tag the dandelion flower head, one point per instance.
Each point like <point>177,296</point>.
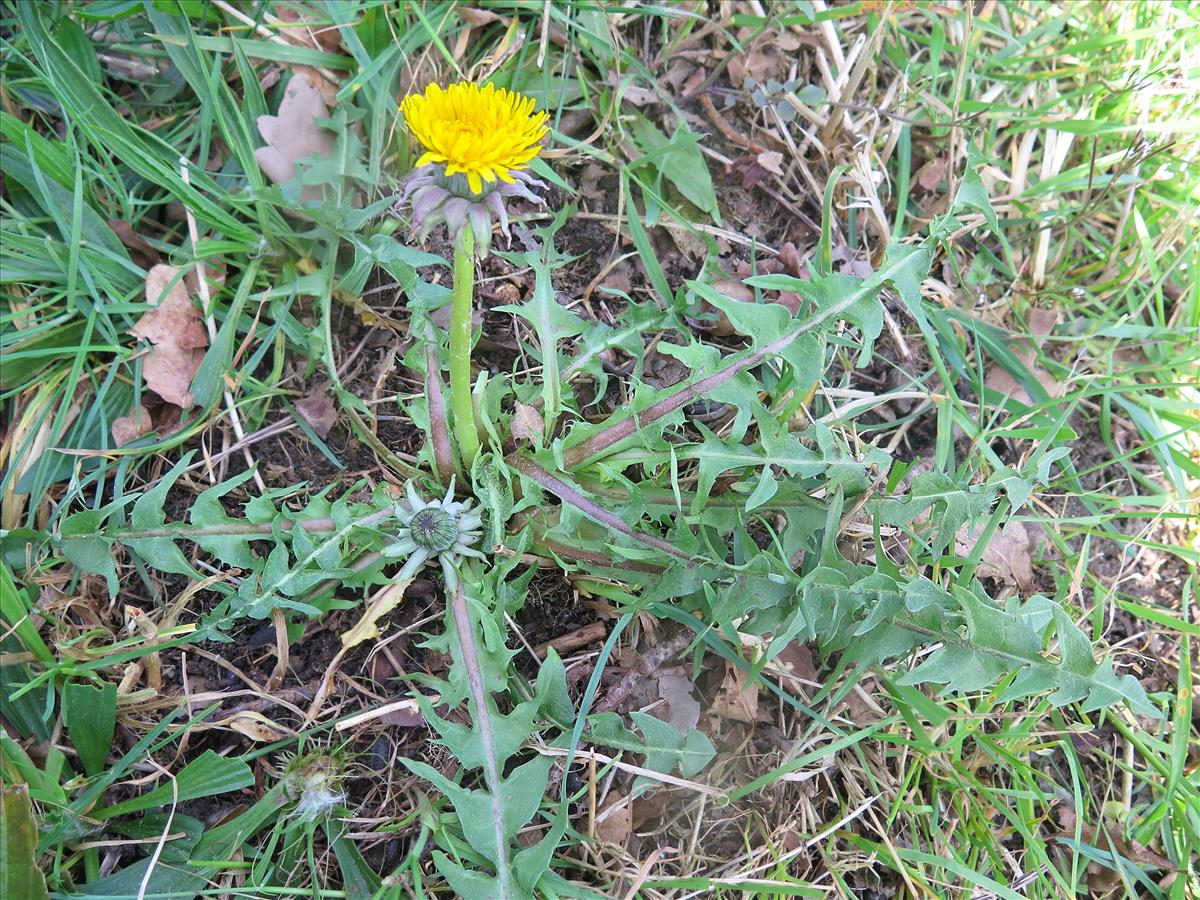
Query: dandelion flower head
<point>483,132</point>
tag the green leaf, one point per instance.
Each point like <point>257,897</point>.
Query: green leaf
<point>87,548</point>
<point>551,321</point>
<point>207,775</point>
<point>664,747</point>
<point>952,504</point>
<point>999,641</point>
<point>509,732</point>
<point>208,512</point>
<point>20,877</point>
<point>551,690</point>
<point>359,880</point>
<point>519,797</point>
<point>679,160</point>
<point>763,323</point>
<point>161,552</point>
<point>90,715</point>
<point>493,487</point>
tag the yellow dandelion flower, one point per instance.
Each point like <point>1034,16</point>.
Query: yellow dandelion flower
<point>483,132</point>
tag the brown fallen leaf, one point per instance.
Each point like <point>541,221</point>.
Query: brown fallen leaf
<point>930,175</point>
<point>736,698</point>
<point>318,409</point>
<point>127,429</point>
<point>257,727</point>
<point>999,380</point>
<point>614,821</point>
<point>682,705</point>
<point>792,261</point>
<point>306,33</point>
<point>589,182</point>
<point>177,334</point>
<point>1008,556</point>
<point>293,134</point>
<point>476,17</point>
<point>527,424</point>
<point>772,161</point>
<point>1041,323</point>
<point>765,58</point>
<point>140,250</point>
<point>631,93</point>
<point>795,663</point>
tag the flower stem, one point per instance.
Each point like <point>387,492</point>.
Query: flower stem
<point>461,407</point>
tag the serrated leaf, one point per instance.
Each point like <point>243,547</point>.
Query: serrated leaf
<point>208,512</point>
<point>951,504</point>
<point>519,796</point>
<point>998,642</point>
<point>551,321</point>
<point>763,323</point>
<point>509,732</point>
<point>87,548</point>
<point>532,862</point>
<point>469,882</point>
<point>493,487</point>
<point>663,746</point>
<point>161,552</point>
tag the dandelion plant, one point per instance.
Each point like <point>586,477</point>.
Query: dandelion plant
<point>478,141</point>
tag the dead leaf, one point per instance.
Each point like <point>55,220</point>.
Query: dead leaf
<point>793,264</point>
<point>405,714</point>
<point>477,18</point>
<point>305,33</point>
<point>614,822</point>
<point>1041,323</point>
<point>737,697</point>
<point>1008,556</point>
<point>762,61</point>
<point>527,424</point>
<point>257,727</point>
<point>293,134</point>
<point>140,250</point>
<point>619,278</point>
<point>930,175</point>
<point>589,181</point>
<point>384,601</point>
<point>795,663</point>
<point>630,92</point>
<point>174,328</point>
<point>318,410</point>
<point>680,694</point>
<point>999,379</point>
<point>772,161</point>
<point>127,429</point>
<point>746,167</point>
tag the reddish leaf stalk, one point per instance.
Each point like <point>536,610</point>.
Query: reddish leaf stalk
<point>483,721</point>
<point>569,494</point>
<point>439,433</point>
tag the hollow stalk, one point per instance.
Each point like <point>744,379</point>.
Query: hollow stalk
<point>462,409</point>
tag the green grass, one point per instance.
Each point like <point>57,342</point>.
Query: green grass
<point>1062,138</point>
